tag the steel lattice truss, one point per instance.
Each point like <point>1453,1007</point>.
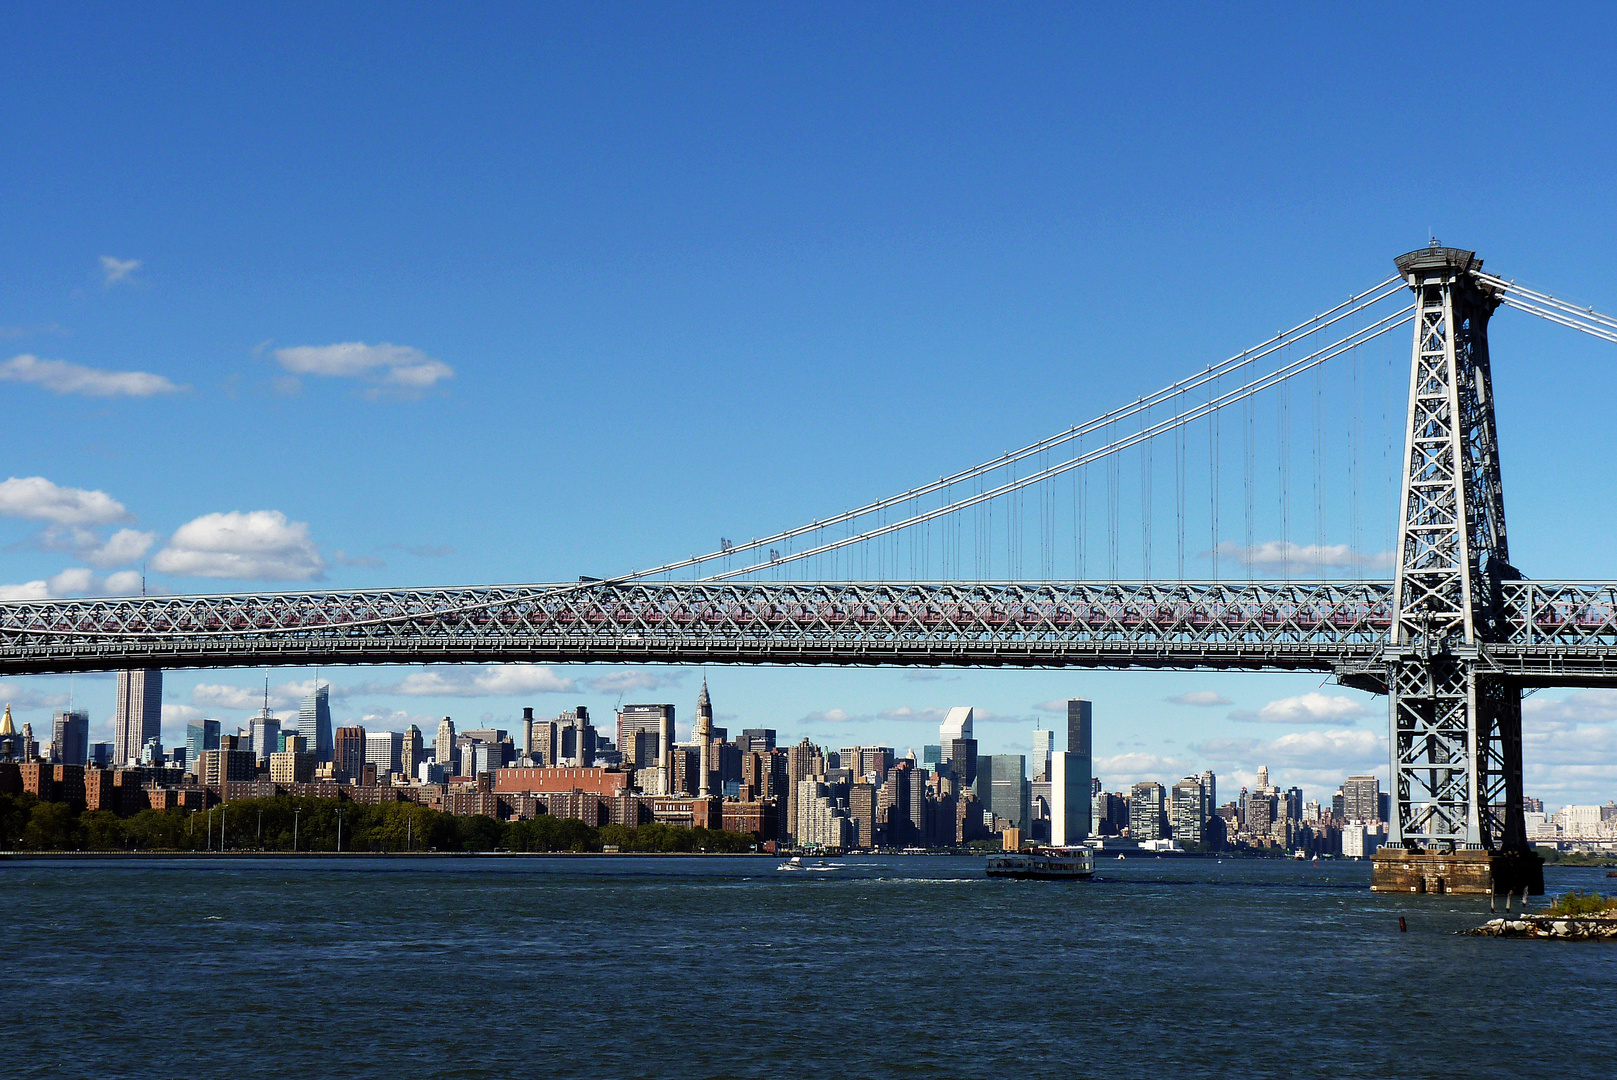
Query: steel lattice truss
<point>1556,633</point>
<point>1253,625</point>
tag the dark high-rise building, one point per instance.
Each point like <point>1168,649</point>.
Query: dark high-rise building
<point>1361,798</point>
<point>410,751</point>
<point>200,735</point>
<point>963,761</point>
<point>70,737</point>
<point>756,740</point>
<point>1260,812</point>
<point>862,813</point>
<point>348,752</point>
<point>137,713</point>
<point>314,724</point>
<point>1009,793</point>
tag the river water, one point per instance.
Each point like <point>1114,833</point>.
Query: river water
<point>630,966</point>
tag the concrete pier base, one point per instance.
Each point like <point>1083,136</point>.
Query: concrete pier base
<point>1468,871</point>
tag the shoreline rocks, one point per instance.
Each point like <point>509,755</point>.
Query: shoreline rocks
<point>1559,927</point>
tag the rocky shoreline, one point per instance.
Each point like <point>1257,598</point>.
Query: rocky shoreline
<point>1561,927</point>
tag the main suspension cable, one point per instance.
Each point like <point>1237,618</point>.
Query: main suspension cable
<point>1353,305</point>
<point>1280,375</point>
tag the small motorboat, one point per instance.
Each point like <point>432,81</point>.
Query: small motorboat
<point>796,863</point>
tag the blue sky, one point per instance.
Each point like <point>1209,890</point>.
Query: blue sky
<point>618,280</point>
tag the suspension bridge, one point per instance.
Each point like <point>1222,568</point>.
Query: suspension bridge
<point>1452,640</point>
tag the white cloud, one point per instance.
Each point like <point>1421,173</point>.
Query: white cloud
<point>221,696</point>
<point>175,713</point>
<point>905,714</point>
<point>1120,770</point>
<point>1274,554</point>
<point>62,377</point>
<point>31,695</point>
<point>122,548</point>
<point>399,720</point>
<point>27,590</point>
<point>74,581</point>
<point>497,680</point>
<point>617,682</point>
<point>37,499</point>
<point>1583,707</point>
<point>390,370</point>
<point>123,583</point>
<point>1310,708</point>
<point>831,716</point>
<point>260,545</point>
<point>1201,699</point>
<point>117,269</point>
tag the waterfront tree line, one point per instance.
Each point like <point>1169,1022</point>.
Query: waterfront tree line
<point>279,823</point>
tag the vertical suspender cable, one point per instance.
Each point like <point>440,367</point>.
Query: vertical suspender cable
<point>1284,434</point>
<point>1319,472</point>
<point>1247,437</point>
<point>1146,500</point>
<point>1179,491</point>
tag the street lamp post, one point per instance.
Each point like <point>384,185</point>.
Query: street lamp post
<point>339,832</point>
<point>295,814</point>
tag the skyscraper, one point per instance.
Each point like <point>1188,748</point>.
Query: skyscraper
<point>752,741</point>
<point>1008,791</point>
<point>1148,818</point>
<point>1044,744</point>
<point>137,713</point>
<point>200,735</point>
<point>382,749</point>
<point>314,723</point>
<point>1190,810</point>
<point>410,751</point>
<point>956,725</point>
<point>1361,798</point>
<point>1210,783</point>
<point>264,731</point>
<point>1071,804</point>
<point>443,751</point>
<point>70,737</point>
<point>348,752</point>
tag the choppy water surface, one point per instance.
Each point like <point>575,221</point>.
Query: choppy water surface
<point>621,966</point>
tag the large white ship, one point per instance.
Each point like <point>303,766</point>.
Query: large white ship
<point>1050,864</point>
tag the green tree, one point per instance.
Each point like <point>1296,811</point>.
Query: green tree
<point>53,827</point>
<point>103,830</point>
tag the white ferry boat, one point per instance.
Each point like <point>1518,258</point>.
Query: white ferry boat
<point>1045,864</point>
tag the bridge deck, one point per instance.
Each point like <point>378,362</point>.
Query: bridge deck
<point>1556,631</point>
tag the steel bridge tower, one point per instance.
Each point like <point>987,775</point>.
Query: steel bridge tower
<point>1456,727</point>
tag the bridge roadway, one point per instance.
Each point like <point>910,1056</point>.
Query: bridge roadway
<point>1554,633</point>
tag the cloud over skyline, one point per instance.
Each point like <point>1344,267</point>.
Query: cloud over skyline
<point>1310,708</point>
